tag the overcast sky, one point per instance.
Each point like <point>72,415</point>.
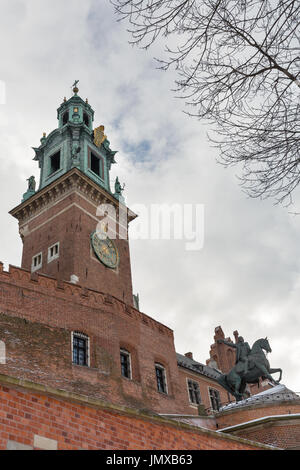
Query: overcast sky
<point>247,275</point>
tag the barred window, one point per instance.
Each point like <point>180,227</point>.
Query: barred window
<point>215,400</point>
<point>194,392</point>
<point>125,363</point>
<point>80,349</point>
<point>161,378</point>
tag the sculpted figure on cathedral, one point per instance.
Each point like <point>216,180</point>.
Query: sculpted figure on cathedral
<point>31,183</point>
<point>118,190</point>
<point>251,365</point>
<point>118,187</point>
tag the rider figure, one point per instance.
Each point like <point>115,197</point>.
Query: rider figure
<point>242,351</point>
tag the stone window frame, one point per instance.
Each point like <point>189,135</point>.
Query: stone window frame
<point>212,399</point>
<point>159,366</point>
<point>36,266</point>
<point>56,255</point>
<point>84,336</point>
<point>125,352</point>
<point>194,403</point>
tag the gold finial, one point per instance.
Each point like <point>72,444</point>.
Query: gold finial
<point>87,101</point>
<point>65,99</point>
<point>44,134</point>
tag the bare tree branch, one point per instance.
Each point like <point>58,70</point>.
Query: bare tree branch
<point>238,66</point>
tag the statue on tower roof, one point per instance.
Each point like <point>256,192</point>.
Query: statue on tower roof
<point>31,190</point>
<point>118,190</point>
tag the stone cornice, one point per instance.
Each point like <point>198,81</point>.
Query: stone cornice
<point>275,419</point>
<point>67,183</point>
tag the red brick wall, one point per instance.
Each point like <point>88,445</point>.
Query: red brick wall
<point>283,433</point>
<point>70,222</point>
<point>242,415</point>
<point>222,354</point>
<point>25,414</point>
<point>204,385</point>
<point>38,316</point>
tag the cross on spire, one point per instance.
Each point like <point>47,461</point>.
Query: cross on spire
<point>75,88</point>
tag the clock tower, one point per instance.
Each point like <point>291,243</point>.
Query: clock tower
<point>73,226</point>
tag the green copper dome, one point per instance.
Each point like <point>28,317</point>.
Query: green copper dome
<point>75,144</point>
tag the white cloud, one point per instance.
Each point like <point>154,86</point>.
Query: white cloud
<point>247,275</point>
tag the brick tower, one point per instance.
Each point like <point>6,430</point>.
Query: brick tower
<point>66,233</point>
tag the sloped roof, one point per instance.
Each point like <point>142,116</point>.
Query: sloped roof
<point>277,393</point>
<point>197,367</point>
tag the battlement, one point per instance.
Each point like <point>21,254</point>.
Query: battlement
<point>75,293</point>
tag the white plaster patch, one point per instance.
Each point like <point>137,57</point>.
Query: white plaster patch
<point>2,353</point>
<point>74,279</point>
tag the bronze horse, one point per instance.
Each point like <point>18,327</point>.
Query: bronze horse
<point>258,366</point>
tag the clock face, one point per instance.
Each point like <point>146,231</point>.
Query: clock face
<point>105,250</point>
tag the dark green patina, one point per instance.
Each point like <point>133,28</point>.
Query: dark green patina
<point>74,143</point>
<point>251,365</point>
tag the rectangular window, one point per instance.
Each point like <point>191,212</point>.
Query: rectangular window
<point>53,252</point>
<point>194,392</point>
<point>37,262</point>
<point>125,363</point>
<point>215,400</point>
<point>96,164</point>
<point>54,163</point>
<point>65,118</point>
<point>80,349</point>
<point>161,378</point>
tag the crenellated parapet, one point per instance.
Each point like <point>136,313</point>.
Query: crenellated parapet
<point>75,294</point>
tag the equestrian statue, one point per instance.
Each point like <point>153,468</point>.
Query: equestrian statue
<point>250,365</point>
